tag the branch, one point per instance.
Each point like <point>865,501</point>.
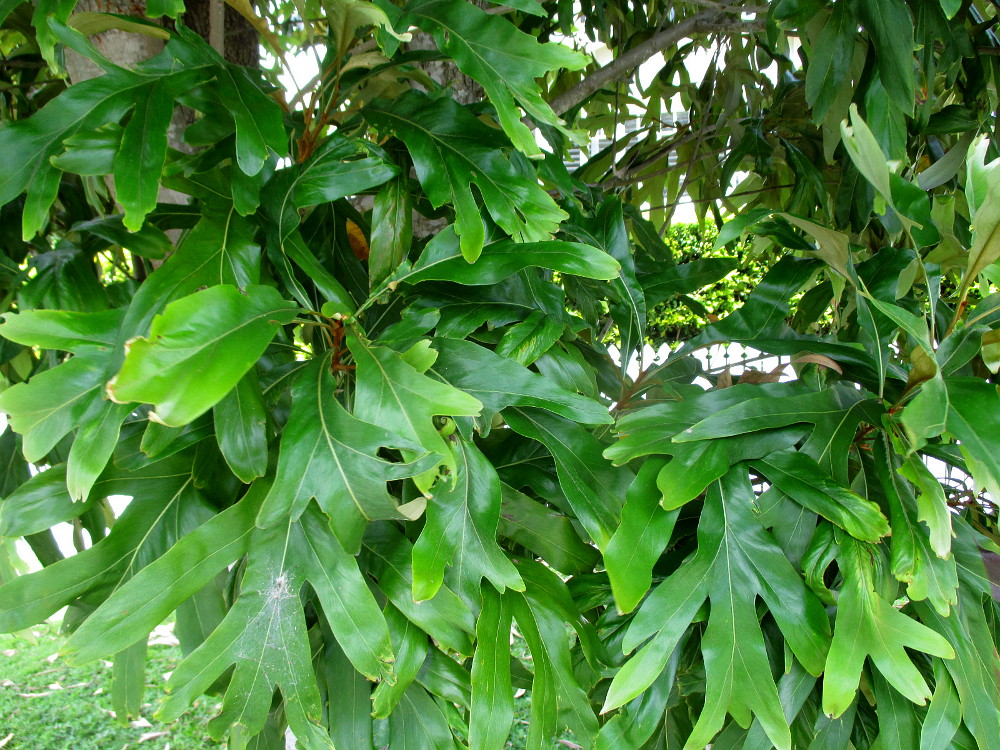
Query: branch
<point>701,23</point>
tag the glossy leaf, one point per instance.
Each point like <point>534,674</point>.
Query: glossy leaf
<point>452,150</point>
<point>330,455</point>
<point>502,59</point>
<point>198,350</point>
<point>462,516</point>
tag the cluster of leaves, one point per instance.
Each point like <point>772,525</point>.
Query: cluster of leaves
<point>360,454</point>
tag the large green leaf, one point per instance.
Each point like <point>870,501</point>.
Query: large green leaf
<point>198,350</point>
<point>640,539</point>
<point>442,260</point>
<point>330,455</point>
<point>392,394</point>
<point>451,150</point>
<point>264,638</point>
<point>594,488</point>
<point>891,29</point>
<point>492,696</point>
<point>802,479</point>
<point>55,401</point>
<point>499,382</point>
<point>503,59</point>
<point>142,154</point>
<point>462,517</point>
<point>869,626</point>
<point>736,562</point>
<point>63,329</point>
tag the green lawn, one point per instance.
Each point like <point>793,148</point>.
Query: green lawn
<point>45,704</point>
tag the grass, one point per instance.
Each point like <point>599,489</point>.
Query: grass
<point>46,704</point>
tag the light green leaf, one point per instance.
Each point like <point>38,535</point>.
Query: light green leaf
<point>63,329</point>
<point>38,504</point>
<point>461,528</point>
<point>736,562</point>
<point>93,445</point>
<point>55,401</point>
<point>198,350</point>
<point>973,416</point>
<point>503,59</point>
<point>330,455</point>
<point>259,129</point>
<point>264,638</point>
<point>932,505</point>
<point>983,194</point>
<point>868,625</point>
<point>452,150</point>
<point>943,715</point>
<point>159,588</point>
<point>410,643</point>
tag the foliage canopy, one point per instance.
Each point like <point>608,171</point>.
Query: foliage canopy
<point>358,386</point>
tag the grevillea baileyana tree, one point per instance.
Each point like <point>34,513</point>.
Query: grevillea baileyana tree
<point>355,369</point>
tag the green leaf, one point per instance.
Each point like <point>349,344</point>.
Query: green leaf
<point>973,415</point>
<point>93,445</point>
<point>264,638</point>
<point>802,479</point>
<point>259,129</point>
<point>685,278</point>
<point>499,382</point>
<point>330,455</point>
<point>159,588</point>
<point>348,604</point>
<point>38,504</point>
<point>142,153</point>
<point>392,231</point>
<point>831,59</point>
<point>149,241</point>
<point>198,350</point>
<point>241,428</point>
<point>451,150</point>
<point>555,689</point>
<point>391,394</point>
<point>868,625</point>
<point>640,539</point>
<point>411,651</point>
<point>544,531</point>
<point>52,403</point>
<point>696,465</point>
<point>462,517</point>
<point>170,506</point>
<point>736,562</point>
<point>944,713</point>
<point>442,260</point>
<point>763,413</point>
<point>91,152</point>
<point>492,711</point>
<point>220,249</point>
<point>890,26</point>
<point>983,187</point>
<point>445,617</point>
<point>63,329</point>
<point>503,59</point>
<point>932,505</point>
<point>594,488</point>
